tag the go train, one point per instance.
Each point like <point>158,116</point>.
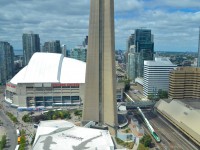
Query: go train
<point>153,133</point>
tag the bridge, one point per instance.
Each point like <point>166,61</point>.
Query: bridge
<point>141,104</point>
<point>134,104</point>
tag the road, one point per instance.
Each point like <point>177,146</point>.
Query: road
<point>171,138</point>
<point>10,129</point>
<point>11,132</point>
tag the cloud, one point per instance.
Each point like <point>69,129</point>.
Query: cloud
<point>182,3</point>
<point>173,23</point>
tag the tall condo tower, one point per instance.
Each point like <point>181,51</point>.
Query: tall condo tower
<point>31,44</point>
<point>100,89</point>
<point>198,61</point>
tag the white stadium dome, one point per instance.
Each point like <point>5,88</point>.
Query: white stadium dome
<point>51,68</point>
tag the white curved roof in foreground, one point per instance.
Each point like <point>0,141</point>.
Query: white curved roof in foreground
<point>51,68</point>
<point>61,134</point>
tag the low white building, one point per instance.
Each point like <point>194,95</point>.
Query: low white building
<point>156,75</point>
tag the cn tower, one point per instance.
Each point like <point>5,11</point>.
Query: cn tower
<point>100,83</point>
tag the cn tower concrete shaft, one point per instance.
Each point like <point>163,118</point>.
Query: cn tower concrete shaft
<point>100,84</point>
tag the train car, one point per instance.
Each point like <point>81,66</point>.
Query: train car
<point>153,133</point>
<point>155,136</point>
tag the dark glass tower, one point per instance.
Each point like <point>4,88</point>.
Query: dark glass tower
<point>144,46</point>
<point>6,62</point>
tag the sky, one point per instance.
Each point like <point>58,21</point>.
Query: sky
<point>174,23</point>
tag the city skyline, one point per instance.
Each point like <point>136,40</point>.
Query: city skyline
<point>175,25</point>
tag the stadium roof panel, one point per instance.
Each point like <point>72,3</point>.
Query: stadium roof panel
<point>51,68</point>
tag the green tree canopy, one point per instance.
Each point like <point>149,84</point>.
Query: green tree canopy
<point>146,140</point>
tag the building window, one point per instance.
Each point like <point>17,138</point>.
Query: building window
<point>39,104</point>
<point>48,99</point>
<point>30,101</point>
<point>66,99</point>
<point>48,104</point>
<point>75,99</point>
<point>57,99</point>
<point>39,99</point>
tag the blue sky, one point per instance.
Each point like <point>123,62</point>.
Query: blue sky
<point>174,23</point>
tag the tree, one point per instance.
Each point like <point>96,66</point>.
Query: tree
<point>150,97</point>
<point>22,143</point>
<point>3,142</point>
<point>26,118</point>
<point>127,85</point>
<point>162,94</point>
<point>146,140</point>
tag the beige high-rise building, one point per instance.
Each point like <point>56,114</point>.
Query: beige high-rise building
<point>100,98</point>
<point>184,83</point>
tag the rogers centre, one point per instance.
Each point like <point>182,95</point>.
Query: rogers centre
<point>48,80</point>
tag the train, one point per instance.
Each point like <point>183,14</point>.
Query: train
<point>153,133</point>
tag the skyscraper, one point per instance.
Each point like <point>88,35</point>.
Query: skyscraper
<point>142,41</point>
<point>31,44</point>
<point>79,53</point>
<point>130,41</point>
<point>132,63</point>
<point>6,62</point>
<point>100,98</point>
<point>52,47</point>
<point>145,47</point>
<point>198,60</point>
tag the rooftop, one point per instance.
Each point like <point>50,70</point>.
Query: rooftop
<point>60,134</point>
<point>159,61</point>
<point>183,116</point>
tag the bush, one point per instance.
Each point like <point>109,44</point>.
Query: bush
<point>26,118</point>
<point>59,114</point>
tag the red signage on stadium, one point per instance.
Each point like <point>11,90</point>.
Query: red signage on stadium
<point>10,85</point>
<point>65,84</point>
